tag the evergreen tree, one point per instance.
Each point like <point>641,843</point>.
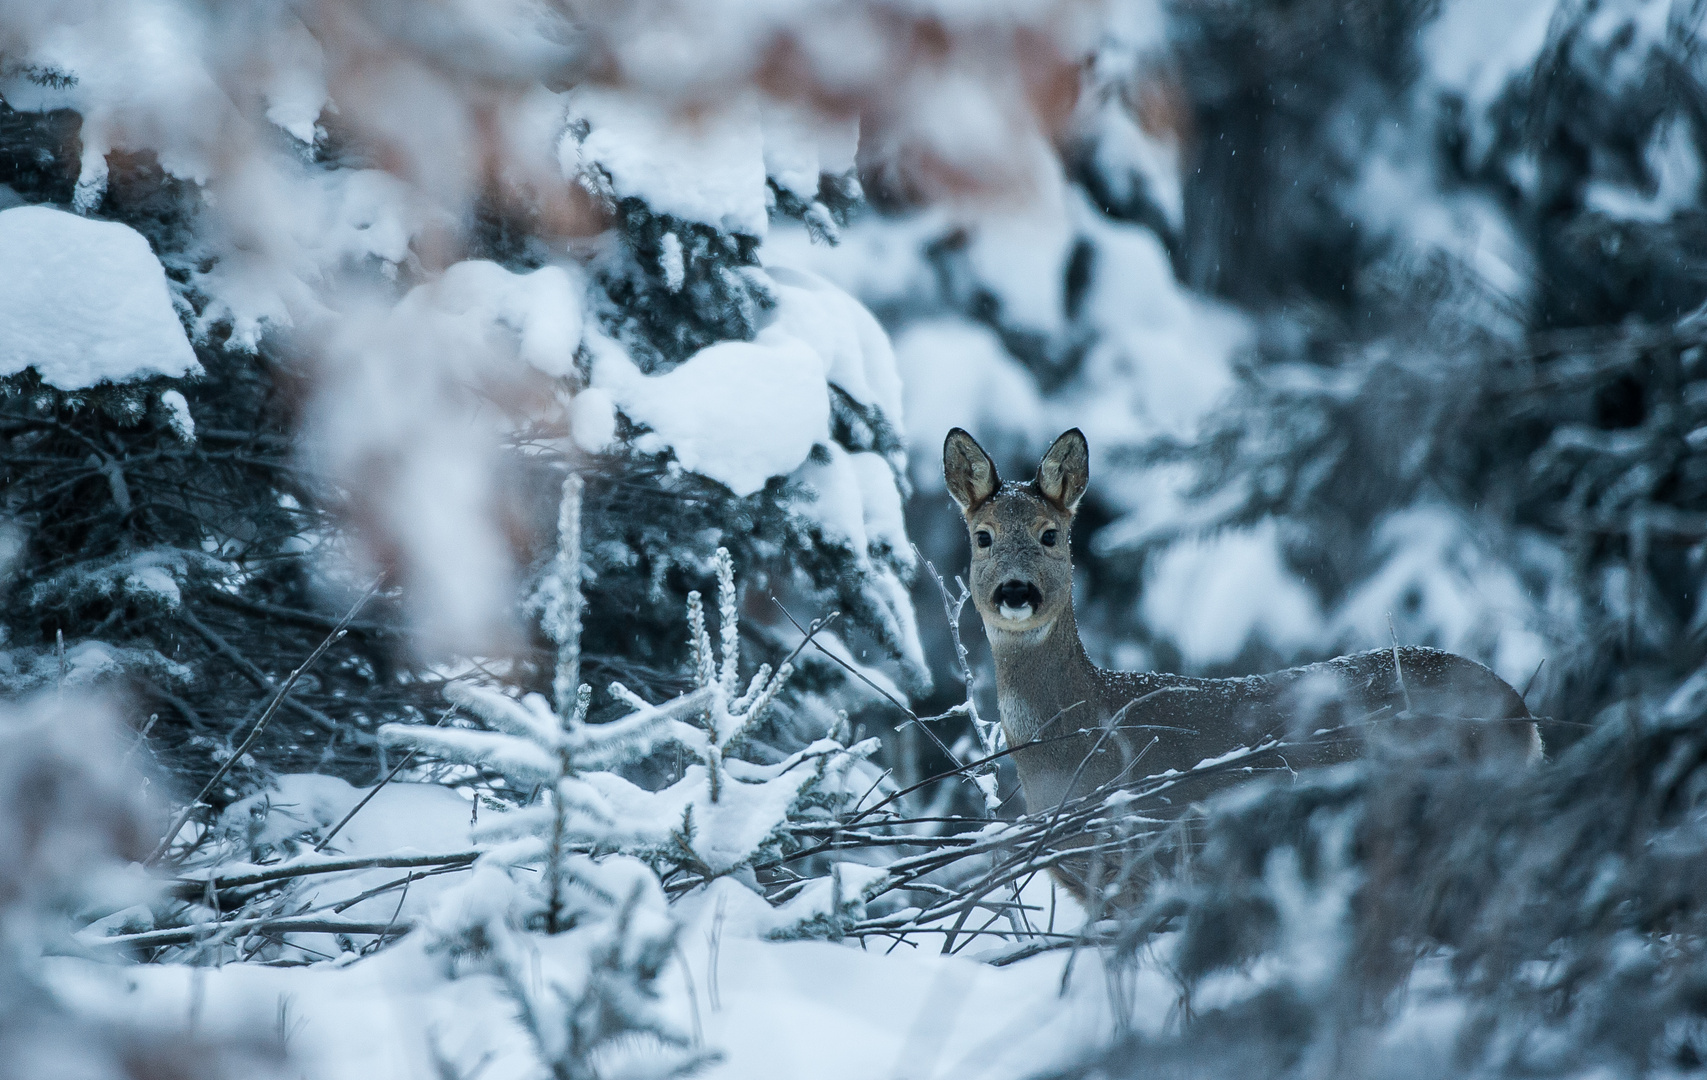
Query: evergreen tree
<point>167,542</point>
<point>665,289</point>
<point>182,538</point>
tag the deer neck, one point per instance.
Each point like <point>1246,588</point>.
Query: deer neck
<point>1043,673</point>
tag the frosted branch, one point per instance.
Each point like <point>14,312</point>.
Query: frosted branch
<point>563,599</point>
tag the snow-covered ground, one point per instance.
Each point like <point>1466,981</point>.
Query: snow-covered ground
<point>750,1006</point>
<point>769,1009</point>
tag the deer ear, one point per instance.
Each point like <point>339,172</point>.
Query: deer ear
<point>970,473</point>
<point>1066,471</point>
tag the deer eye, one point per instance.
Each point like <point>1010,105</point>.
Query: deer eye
<point>985,539</point>
<point>1049,537</point>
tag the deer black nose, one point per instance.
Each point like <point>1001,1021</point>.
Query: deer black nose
<point>1017,594</point>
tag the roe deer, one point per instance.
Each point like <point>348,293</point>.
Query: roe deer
<point>1094,726</point>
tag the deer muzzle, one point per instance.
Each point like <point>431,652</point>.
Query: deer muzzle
<point>1017,600</point>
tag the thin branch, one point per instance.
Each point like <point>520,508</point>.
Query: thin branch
<point>1530,685</point>
<point>855,672</point>
<point>957,770</point>
<point>991,735</point>
<point>301,618</point>
<point>253,673</point>
<point>395,769</point>
<point>1398,672</point>
<point>290,924</point>
<point>190,888</point>
<point>260,725</point>
<point>864,678</point>
<point>403,882</point>
<point>808,634</point>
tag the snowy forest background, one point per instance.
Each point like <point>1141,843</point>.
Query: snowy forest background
<point>375,375</point>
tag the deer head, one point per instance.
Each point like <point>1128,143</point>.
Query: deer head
<point>1022,572</point>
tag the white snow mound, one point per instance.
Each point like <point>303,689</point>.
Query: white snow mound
<point>711,169</point>
<point>84,302</point>
<point>739,412</point>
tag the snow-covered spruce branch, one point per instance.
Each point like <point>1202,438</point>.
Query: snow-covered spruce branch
<point>723,813</point>
<point>598,841</point>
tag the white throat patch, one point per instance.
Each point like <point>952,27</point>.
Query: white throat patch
<point>1003,638</point>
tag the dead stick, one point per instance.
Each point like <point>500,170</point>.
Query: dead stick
<point>272,707</point>
<point>248,669</point>
<point>395,769</point>
<point>184,935</point>
<point>329,866</point>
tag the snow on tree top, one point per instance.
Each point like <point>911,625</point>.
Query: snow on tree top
<point>712,171</point>
<point>708,166</point>
<point>741,412</point>
<point>738,412</point>
<point>85,302</point>
<point>839,328</point>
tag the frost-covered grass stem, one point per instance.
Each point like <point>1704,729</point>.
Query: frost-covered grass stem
<point>564,601</point>
<point>989,733</point>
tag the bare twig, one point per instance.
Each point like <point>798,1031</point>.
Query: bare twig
<point>141,738</point>
<point>403,882</point>
<point>1398,672</point>
<point>290,924</point>
<point>395,769</point>
<point>250,671</point>
<point>809,633</point>
<point>1530,685</point>
<point>1049,827</point>
<point>849,668</point>
<point>1035,843</point>
<point>958,770</point>
<point>272,707</point>
<point>194,887</point>
<point>912,716</point>
<point>991,735</point>
<point>292,615</point>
